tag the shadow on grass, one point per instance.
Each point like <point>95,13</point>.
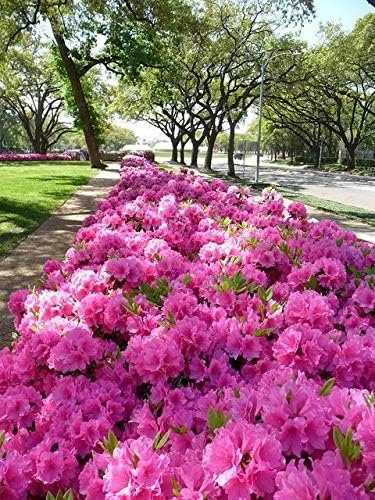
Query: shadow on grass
<point>62,180</point>
<point>23,218</point>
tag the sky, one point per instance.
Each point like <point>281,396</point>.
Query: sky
<point>346,12</point>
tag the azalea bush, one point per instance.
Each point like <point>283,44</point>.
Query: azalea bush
<point>34,157</point>
<point>196,342</point>
<point>147,154</point>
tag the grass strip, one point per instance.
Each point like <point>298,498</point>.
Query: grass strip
<point>31,191</point>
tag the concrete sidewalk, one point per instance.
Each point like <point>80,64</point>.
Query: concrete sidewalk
<point>23,266</point>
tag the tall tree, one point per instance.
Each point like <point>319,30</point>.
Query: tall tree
<point>135,34</point>
<point>337,91</point>
<point>28,89</point>
<point>11,136</point>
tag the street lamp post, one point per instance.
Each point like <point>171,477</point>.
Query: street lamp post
<point>261,97</point>
<point>261,101</point>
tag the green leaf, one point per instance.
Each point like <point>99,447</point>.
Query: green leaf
<point>169,321</point>
<point>370,399</point>
<point>186,279</point>
<point>180,429</point>
<point>252,242</point>
<point>176,488</point>
<point>265,295</point>
<point>349,449</point>
<point>275,307</point>
<point>215,419</point>
<point>224,222</point>
<point>262,294</point>
<point>110,443</point>
<point>339,242</point>
<point>354,271</point>
<point>311,284</point>
<point>14,335</point>
<point>235,259</point>
<point>160,441</point>
<point>262,332</point>
<point>327,387</point>
<point>370,270</point>
<point>237,283</point>
<point>284,247</point>
<point>2,438</point>
<point>68,495</point>
<point>131,305</point>
<point>154,293</point>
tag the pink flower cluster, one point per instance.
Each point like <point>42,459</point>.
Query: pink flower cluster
<point>34,157</point>
<point>196,342</point>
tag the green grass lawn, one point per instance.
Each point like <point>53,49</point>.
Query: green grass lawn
<point>31,191</point>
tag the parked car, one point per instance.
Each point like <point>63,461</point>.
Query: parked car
<point>239,156</point>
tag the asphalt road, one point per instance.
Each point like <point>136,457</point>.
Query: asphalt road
<point>342,188</point>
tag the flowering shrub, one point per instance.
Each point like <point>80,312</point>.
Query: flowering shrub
<point>196,342</point>
<point>146,154</point>
<point>34,157</point>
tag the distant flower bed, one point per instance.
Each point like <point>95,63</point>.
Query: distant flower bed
<point>148,154</point>
<point>197,342</point>
<point>34,157</point>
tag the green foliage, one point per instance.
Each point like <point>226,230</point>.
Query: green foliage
<point>131,305</point>
<point>216,419</point>
<point>116,137</point>
<point>161,440</point>
<point>11,133</point>
<point>155,293</point>
<point>262,332</point>
<point>309,160</point>
<point>327,387</point>
<point>94,90</point>
<point>29,95</point>
<point>361,162</point>
<point>237,283</point>
<point>349,449</point>
<point>265,295</point>
<point>110,443</point>
<point>68,495</point>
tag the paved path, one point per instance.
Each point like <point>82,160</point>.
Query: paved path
<point>22,267</point>
<point>342,188</point>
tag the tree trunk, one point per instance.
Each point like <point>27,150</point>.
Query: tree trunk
<point>36,147</point>
<point>210,151</point>
<point>283,155</point>
<point>351,158</point>
<point>79,98</point>
<point>231,168</point>
<point>174,157</point>
<point>194,155</point>
<point>182,154</point>
<point>182,151</point>
<point>315,154</point>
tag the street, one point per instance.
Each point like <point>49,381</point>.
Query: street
<point>338,187</point>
